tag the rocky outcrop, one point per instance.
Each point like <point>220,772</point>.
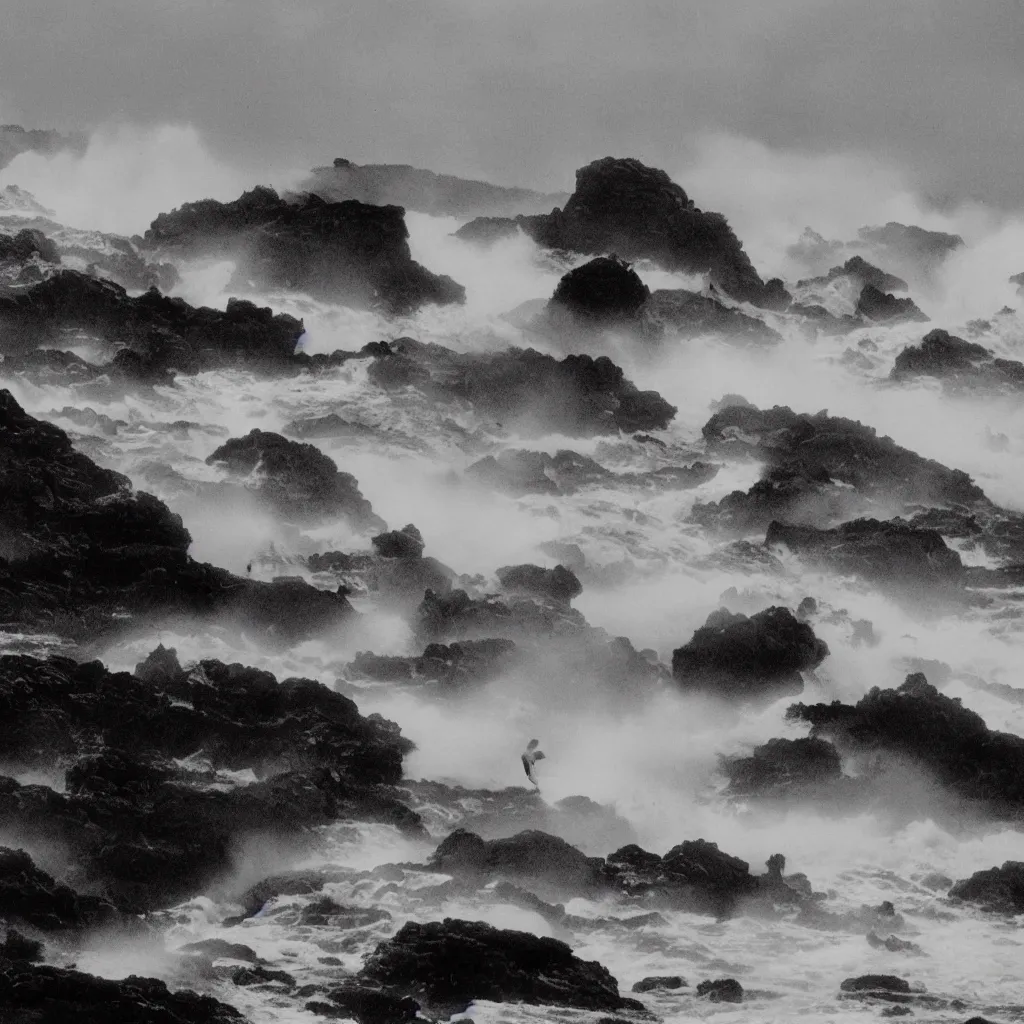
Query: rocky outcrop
<point>893,555</point>
<point>879,306</point>
<point>659,983</point>
<point>31,993</point>
<point>525,389</point>
<point>958,363</point>
<point>998,890</point>
<point>912,250</point>
<point>347,252</point>
<point>294,480</point>
<point>452,668</point>
<point>849,452</point>
<point>680,313</point>
<point>138,824</point>
<point>456,615</point>
<point>151,333</point>
<point>604,291</point>
<point>82,554</point>
<point>535,860</point>
<point>15,140</point>
<point>917,724</point>
<point>784,767</point>
<point>404,543</point>
<point>440,195</point>
<point>447,965</point>
<point>760,656</point>
<point>517,471</point>
<point>721,990</point>
<point>621,206</point>
<point>559,584</point>
<point>863,273</point>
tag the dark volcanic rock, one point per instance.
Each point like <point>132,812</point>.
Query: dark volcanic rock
<point>30,896</point>
<point>849,452</point>
<point>864,273</point>
<point>366,1005</point>
<point>558,584</point>
<point>346,252</point>
<point>150,833</point>
<point>880,306</point>
<point>638,212</point>
<point>578,396</point>
<point>153,333</point>
<point>999,890</point>
<point>453,666</point>
<point>456,614</point>
<point>916,723</point>
<point>295,479</point>
<point>446,965</point>
<point>605,290</point>
<point>660,983</point>
<point>532,859</point>
<point>892,554</point>
<point>404,543</point>
<point>675,311</point>
<point>39,994</point>
<point>440,195</point>
<point>784,766</point>
<point>959,363</point>
<point>722,990</point>
<point>81,553</point>
<point>875,983</point>
<point>694,876</point>
<point>733,655</point>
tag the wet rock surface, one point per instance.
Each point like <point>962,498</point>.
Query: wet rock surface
<point>347,252</point>
<point>446,965</point>
<point>999,890</point>
<point>958,363</point>
<point>622,206</point>
<point>733,655</point>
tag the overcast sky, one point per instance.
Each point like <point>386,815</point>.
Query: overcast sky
<point>524,91</point>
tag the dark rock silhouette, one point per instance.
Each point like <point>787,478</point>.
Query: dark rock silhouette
<point>579,395</point>
<point>605,290</point>
<point>440,195</point>
<point>296,480</point>
<point>722,990</point>
<point>660,983</point>
<point>638,212</point>
<point>999,890</point>
<point>877,305</point>
<point>858,269</point>
<point>366,1005</point>
<point>453,667</point>
<point>760,656</point>
<point>346,252</point>
<point>911,250</point>
<point>958,363</point>
<point>893,554</point>
<point>31,993</point>
<point>875,983</point>
<point>15,140</point>
<point>783,767</point>
<point>446,965</point>
<point>83,554</point>
<point>558,584</point>
<point>916,723</point>
<point>676,311</point>
<point>153,333</point>
<point>404,543</point>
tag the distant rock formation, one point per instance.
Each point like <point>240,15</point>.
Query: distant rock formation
<point>440,195</point>
<point>958,363</point>
<point>346,252</point>
<point>638,212</point>
<point>15,140</point>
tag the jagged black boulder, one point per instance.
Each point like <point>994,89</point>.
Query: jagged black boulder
<point>558,584</point>
<point>659,983</point>
<point>893,554</point>
<point>916,723</point>
<point>447,965</point>
<point>863,273</point>
<point>404,543</point>
<point>153,333</point>
<point>999,890</point>
<point>877,305</point>
<point>958,363</point>
<point>605,290</point>
<point>781,766</point>
<point>532,859</point>
<point>763,655</point>
<point>295,479</point>
<point>346,252</point>
<point>39,994</point>
<point>721,990</point>
<point>622,206</point>
<point>578,396</point>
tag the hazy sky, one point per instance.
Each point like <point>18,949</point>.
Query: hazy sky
<point>524,91</point>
